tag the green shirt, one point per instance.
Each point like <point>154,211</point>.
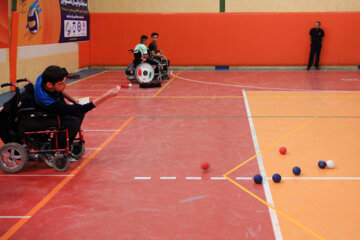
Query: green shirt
<point>142,48</point>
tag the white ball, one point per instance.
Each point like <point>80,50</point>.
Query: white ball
<point>130,85</point>
<point>330,164</point>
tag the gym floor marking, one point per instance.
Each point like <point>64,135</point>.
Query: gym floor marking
<point>272,145</point>
<point>277,210</point>
<point>225,177</point>
<point>51,194</point>
<point>172,79</point>
<point>268,196</point>
<point>91,76</point>
<point>250,178</point>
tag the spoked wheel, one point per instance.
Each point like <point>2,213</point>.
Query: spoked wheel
<point>13,157</point>
<point>78,149</point>
<point>60,162</point>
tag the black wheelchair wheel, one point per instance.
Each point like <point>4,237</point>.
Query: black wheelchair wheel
<point>60,163</point>
<point>78,149</point>
<point>13,157</point>
<point>48,159</point>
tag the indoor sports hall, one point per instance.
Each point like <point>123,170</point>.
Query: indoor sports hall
<point>241,121</point>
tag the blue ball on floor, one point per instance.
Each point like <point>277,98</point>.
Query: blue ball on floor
<point>276,178</point>
<point>322,164</point>
<point>258,179</point>
<point>296,170</point>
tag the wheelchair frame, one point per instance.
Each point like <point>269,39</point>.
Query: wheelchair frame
<point>59,160</point>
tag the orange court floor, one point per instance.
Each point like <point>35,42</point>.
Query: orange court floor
<point>140,177</point>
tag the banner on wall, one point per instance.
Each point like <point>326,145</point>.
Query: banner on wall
<point>74,20</point>
<point>4,24</point>
<point>52,21</point>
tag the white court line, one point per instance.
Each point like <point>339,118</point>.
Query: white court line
<point>101,130</point>
<point>273,216</point>
<point>167,178</point>
<point>15,216</point>
<point>218,178</point>
<point>142,178</point>
<point>244,178</point>
<point>93,148</point>
<point>39,175</point>
<point>241,86</point>
<point>193,178</point>
<point>320,178</point>
<point>105,90</point>
<point>234,85</point>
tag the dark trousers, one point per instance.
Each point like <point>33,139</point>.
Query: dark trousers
<point>72,124</point>
<point>315,49</point>
<point>163,61</point>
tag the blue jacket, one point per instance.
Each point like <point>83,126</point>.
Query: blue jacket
<point>42,99</point>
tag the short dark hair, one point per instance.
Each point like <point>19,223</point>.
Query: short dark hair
<point>53,74</point>
<point>318,22</point>
<point>154,34</point>
<point>143,38</point>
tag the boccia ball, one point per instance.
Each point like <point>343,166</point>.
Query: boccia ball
<point>330,164</point>
<point>282,150</point>
<point>322,164</point>
<point>276,178</point>
<point>258,179</point>
<point>296,170</point>
<point>205,165</point>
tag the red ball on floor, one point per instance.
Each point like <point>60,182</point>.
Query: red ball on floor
<point>283,150</point>
<point>205,165</point>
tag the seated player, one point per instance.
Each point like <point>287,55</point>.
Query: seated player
<point>50,96</point>
<point>141,47</point>
<point>158,54</point>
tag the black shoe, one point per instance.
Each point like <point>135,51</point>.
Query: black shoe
<point>166,77</point>
<point>317,68</point>
<point>308,68</point>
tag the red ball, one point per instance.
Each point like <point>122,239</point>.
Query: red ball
<point>205,165</point>
<point>282,150</point>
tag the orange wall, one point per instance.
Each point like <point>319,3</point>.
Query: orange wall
<point>226,38</point>
<point>84,54</point>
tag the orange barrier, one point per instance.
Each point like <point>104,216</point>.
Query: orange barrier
<point>226,38</point>
<point>13,47</point>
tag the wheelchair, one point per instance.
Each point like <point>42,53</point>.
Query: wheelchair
<point>146,73</point>
<point>30,134</point>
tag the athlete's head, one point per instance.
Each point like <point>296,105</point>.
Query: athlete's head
<point>53,78</point>
<point>143,39</point>
<point>154,37</point>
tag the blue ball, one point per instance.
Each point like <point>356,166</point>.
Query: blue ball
<point>276,178</point>
<point>258,179</point>
<point>296,170</point>
<point>322,164</point>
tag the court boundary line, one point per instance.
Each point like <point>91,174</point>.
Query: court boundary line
<point>266,187</point>
<point>257,197</point>
<point>161,89</point>
<point>80,80</point>
<point>10,232</point>
<point>256,87</point>
<point>273,144</point>
<point>277,210</point>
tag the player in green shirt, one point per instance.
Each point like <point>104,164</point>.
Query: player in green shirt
<point>142,47</point>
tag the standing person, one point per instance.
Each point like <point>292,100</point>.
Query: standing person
<point>316,35</point>
<point>158,54</point>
